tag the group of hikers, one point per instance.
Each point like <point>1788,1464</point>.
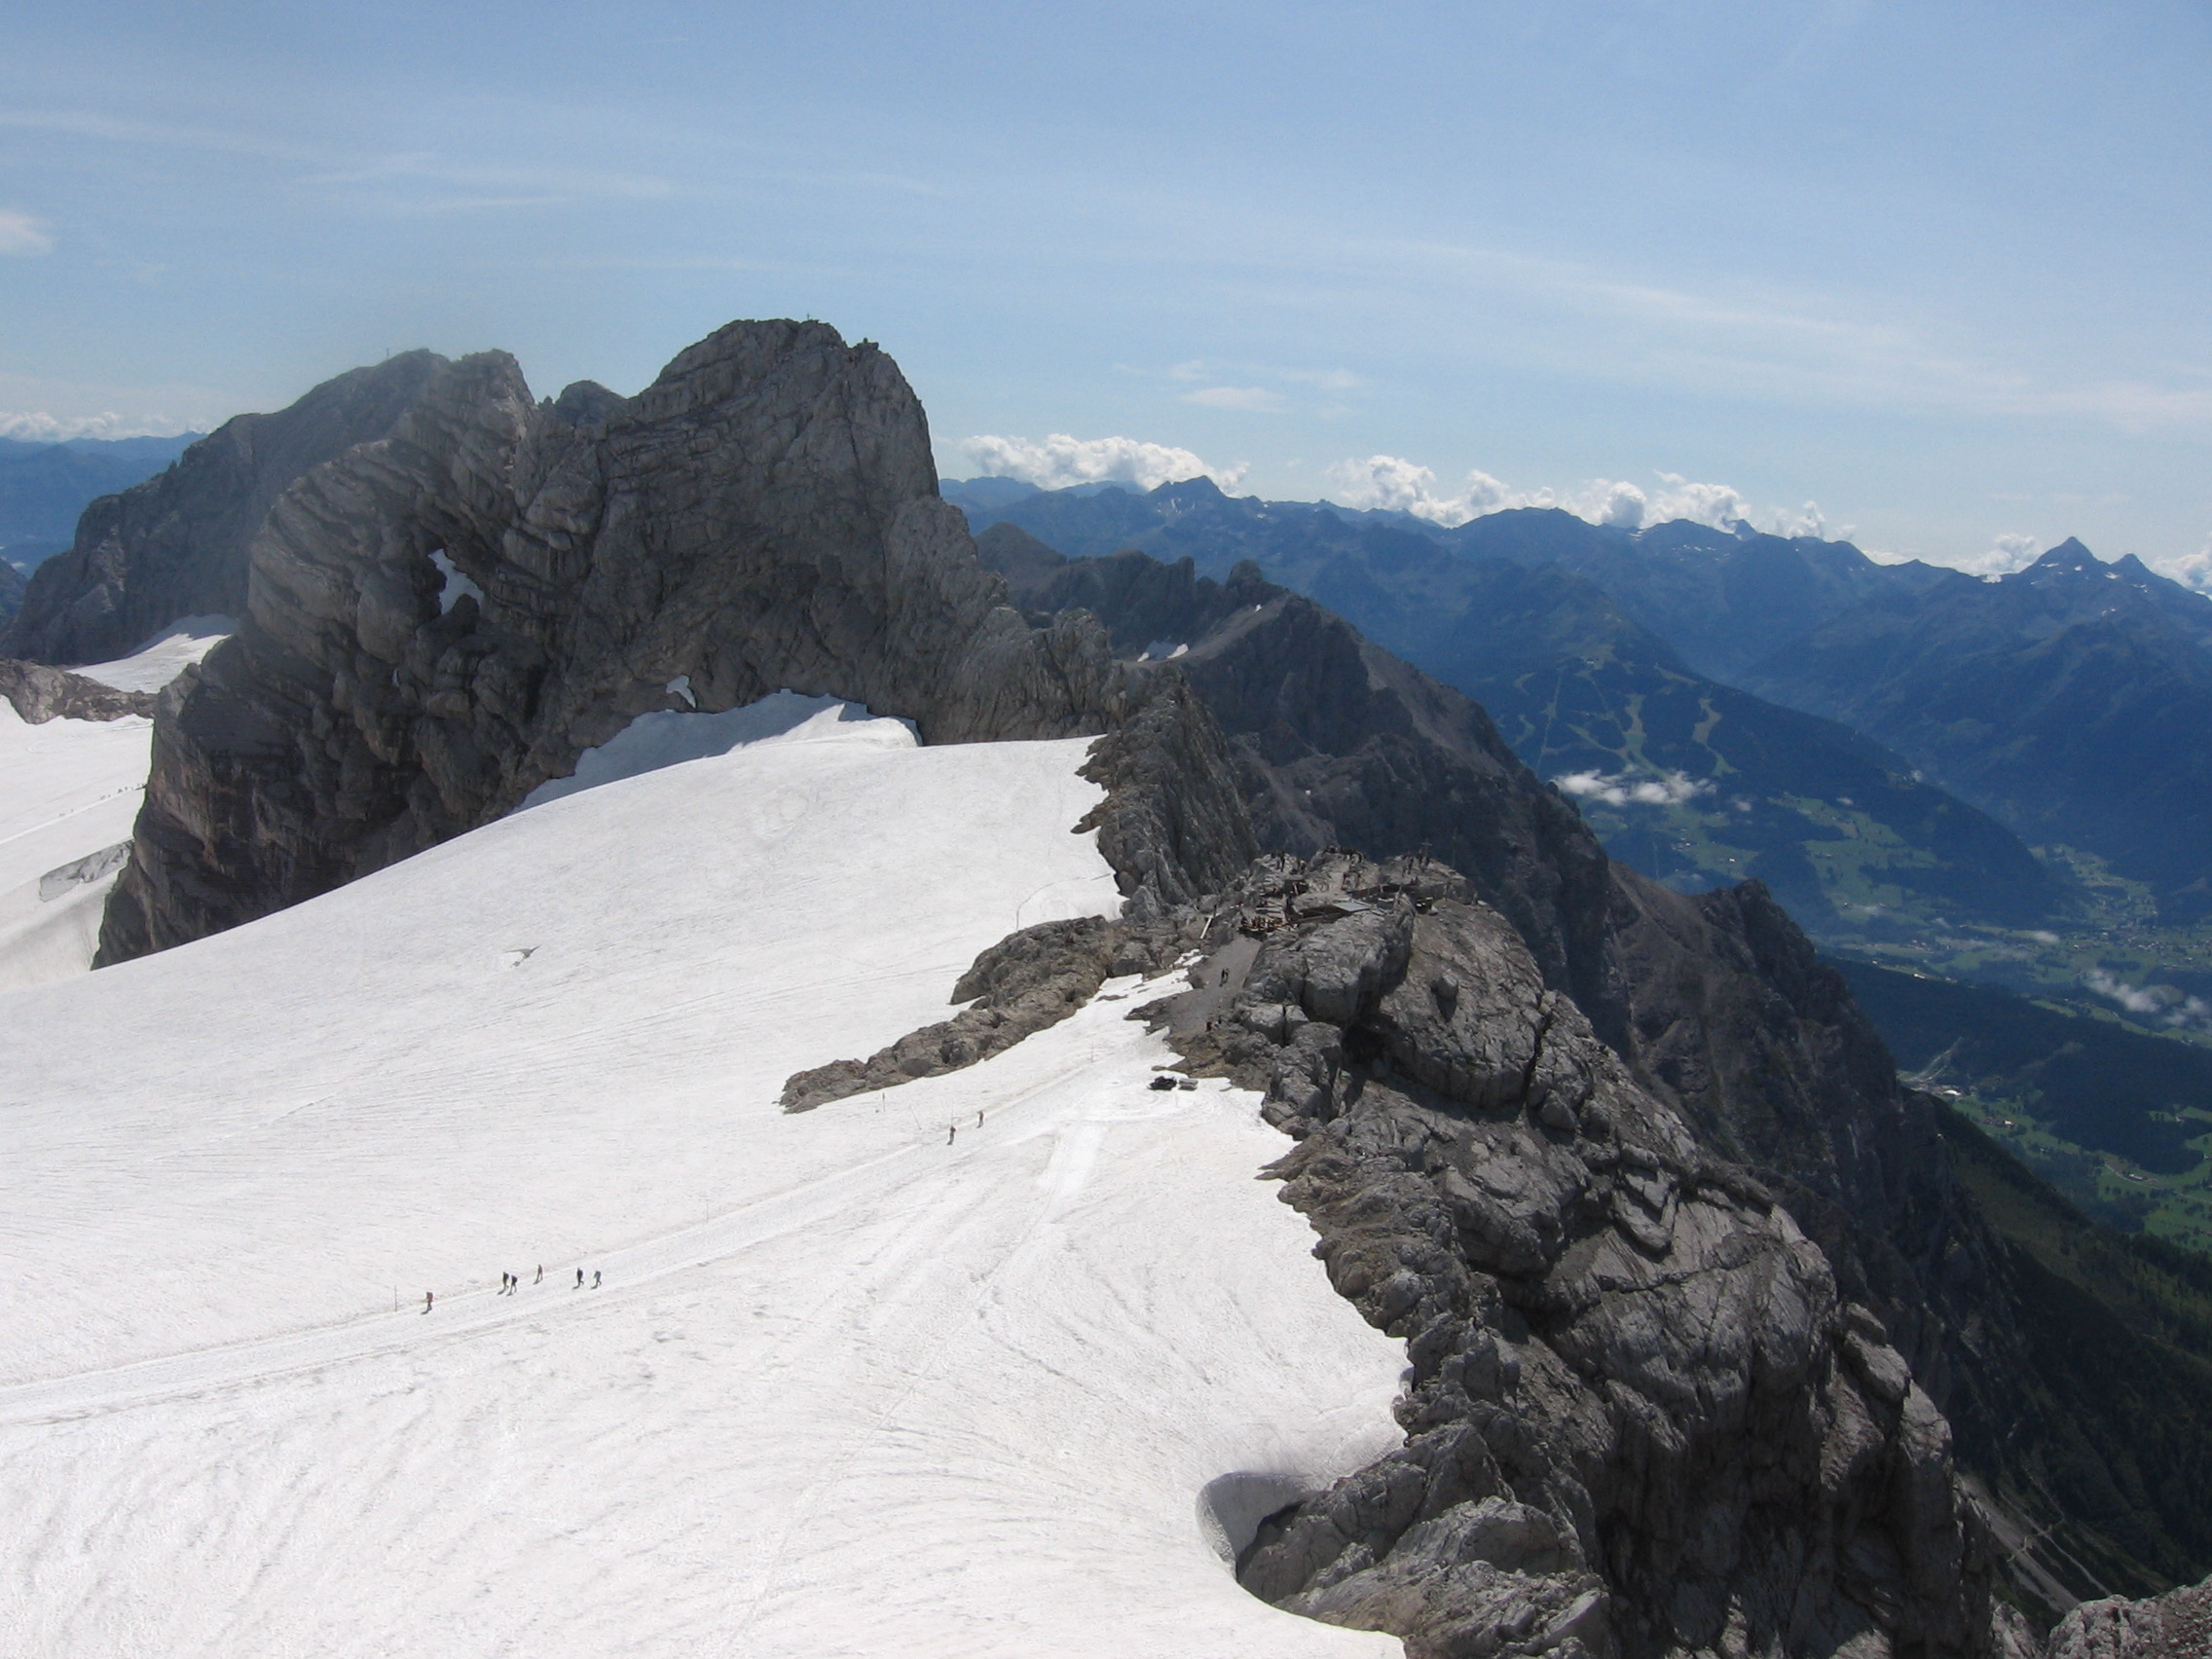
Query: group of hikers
<point>510,1283</point>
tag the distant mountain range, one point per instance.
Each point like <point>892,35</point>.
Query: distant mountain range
<point>2072,699</point>
<point>1689,778</point>
<point>1666,675</point>
<point>44,487</point>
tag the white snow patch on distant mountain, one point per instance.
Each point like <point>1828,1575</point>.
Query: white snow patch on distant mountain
<point>164,656</point>
<point>848,1389</point>
<point>68,789</point>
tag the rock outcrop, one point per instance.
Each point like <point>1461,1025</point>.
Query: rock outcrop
<point>2177,1625</point>
<point>1026,982</point>
<point>1645,1418</point>
<point>39,693</point>
<point>1646,1414</point>
<point>439,620</point>
<point>177,545</point>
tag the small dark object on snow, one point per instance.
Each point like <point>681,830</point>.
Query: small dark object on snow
<point>1163,1082</point>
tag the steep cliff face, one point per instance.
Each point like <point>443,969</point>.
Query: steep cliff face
<point>441,620</point>
<point>177,545</point>
<point>1645,1418</point>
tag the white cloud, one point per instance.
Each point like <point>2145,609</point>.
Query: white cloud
<point>21,234</point>
<point>1255,399</point>
<point>1059,461</point>
<point>2161,1003</point>
<point>1390,482</point>
<point>37,427</point>
<point>1626,788</point>
<point>1213,391</point>
<point>2191,569</point>
<point>2012,551</point>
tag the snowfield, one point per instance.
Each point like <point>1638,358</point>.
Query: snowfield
<point>69,790</point>
<point>846,1388</point>
<point>164,656</point>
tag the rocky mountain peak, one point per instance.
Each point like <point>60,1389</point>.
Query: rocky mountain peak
<point>176,545</point>
<point>2068,558</point>
<point>443,617</point>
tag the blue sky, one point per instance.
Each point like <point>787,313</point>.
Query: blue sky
<point>1939,269</point>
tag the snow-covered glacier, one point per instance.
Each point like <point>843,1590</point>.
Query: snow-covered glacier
<point>944,1371</point>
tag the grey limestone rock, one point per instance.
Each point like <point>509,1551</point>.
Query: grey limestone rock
<point>1645,1416</point>
<point>763,516</point>
<point>39,693</point>
<point>176,545</point>
<point>1027,981</point>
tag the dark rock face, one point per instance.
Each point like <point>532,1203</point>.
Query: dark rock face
<point>40,694</point>
<point>441,620</point>
<point>1762,1048</point>
<point>1338,743</point>
<point>177,545</point>
<point>1646,1419</point>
